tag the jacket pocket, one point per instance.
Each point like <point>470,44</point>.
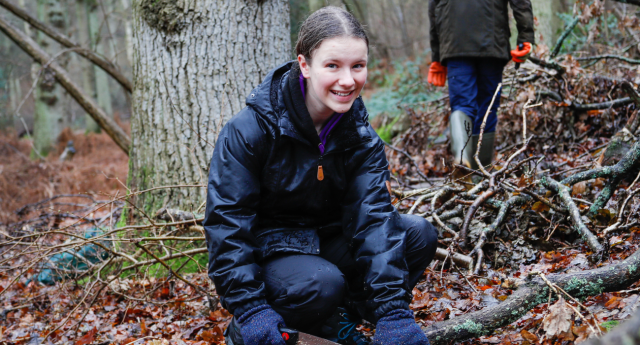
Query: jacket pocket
<point>286,240</point>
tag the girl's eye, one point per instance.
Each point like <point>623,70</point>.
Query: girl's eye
<point>332,65</point>
<point>358,66</point>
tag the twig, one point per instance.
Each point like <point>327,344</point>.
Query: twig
<point>418,170</point>
<point>565,195</point>
<point>609,56</point>
<point>563,36</point>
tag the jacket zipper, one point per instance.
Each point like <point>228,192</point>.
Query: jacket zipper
<point>320,171</point>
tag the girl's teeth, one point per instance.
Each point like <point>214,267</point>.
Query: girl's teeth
<point>342,94</point>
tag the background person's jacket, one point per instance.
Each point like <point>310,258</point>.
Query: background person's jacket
<point>264,198</point>
<point>477,28</point>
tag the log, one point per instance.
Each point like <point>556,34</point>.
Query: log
<point>88,104</point>
<point>66,42</point>
<point>532,292</point>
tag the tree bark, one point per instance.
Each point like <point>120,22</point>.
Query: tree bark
<point>195,62</point>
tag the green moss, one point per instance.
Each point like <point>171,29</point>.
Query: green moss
<point>471,327</point>
<point>385,132</point>
<point>632,269</point>
<point>609,325</point>
<point>163,15</point>
<point>582,287</point>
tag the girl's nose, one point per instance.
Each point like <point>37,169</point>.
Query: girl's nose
<point>346,79</point>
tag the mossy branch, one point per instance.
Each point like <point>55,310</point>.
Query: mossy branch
<point>532,292</point>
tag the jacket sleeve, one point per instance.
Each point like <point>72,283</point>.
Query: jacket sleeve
<point>433,31</point>
<point>523,14</point>
<point>231,213</point>
<point>373,224</point>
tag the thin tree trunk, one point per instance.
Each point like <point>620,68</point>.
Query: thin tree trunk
<point>15,97</point>
<point>100,46</point>
<point>50,105</point>
<point>82,30</point>
<point>195,62</point>
<point>128,30</point>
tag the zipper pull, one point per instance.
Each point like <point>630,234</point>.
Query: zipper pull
<point>320,171</point>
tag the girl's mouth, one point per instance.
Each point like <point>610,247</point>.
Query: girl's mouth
<point>342,94</point>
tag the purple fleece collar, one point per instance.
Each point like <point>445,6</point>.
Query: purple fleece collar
<point>333,120</point>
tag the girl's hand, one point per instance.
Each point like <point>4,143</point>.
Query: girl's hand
<point>399,327</point>
<point>260,326</point>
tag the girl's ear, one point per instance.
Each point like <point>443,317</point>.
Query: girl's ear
<point>304,66</point>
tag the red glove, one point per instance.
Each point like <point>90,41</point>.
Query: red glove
<point>519,55</point>
<point>437,74</point>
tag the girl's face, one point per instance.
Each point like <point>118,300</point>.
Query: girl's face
<point>335,77</point>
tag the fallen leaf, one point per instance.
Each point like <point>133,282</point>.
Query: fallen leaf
<point>579,188</point>
<point>87,338</point>
<point>540,207</point>
<point>529,336</point>
<point>559,318</point>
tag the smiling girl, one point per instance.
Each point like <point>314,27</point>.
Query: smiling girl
<point>299,223</point>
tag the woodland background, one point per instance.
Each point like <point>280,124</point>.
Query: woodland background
<point>109,111</point>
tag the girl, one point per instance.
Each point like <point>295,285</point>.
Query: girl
<point>299,223</point>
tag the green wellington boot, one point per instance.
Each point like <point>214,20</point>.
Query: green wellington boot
<point>486,150</point>
<point>460,126</point>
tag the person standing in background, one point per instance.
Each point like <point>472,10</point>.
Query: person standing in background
<point>470,48</point>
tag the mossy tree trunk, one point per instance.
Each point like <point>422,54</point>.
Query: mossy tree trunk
<point>194,64</point>
<point>50,97</point>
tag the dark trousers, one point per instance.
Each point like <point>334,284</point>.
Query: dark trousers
<point>306,289</point>
<point>472,83</point>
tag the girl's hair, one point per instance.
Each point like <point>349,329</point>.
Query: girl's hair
<point>325,23</point>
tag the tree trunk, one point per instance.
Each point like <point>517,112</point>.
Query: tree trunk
<point>100,46</point>
<point>128,31</point>
<point>88,85</point>
<point>50,103</point>
<point>195,62</point>
<point>15,97</point>
<point>315,5</point>
<point>549,24</point>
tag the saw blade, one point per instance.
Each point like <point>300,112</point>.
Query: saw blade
<point>308,339</point>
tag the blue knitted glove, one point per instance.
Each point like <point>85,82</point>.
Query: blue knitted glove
<point>398,327</point>
<point>259,326</point>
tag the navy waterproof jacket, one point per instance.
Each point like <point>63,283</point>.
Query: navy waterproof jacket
<point>264,198</point>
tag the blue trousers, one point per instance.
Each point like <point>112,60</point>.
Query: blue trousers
<point>472,83</point>
<point>307,289</point>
